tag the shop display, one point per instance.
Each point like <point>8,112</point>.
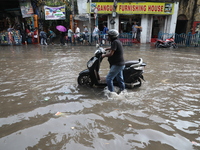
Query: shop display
<point>10,38</point>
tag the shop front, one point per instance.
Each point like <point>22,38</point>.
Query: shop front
<point>9,27</point>
<point>19,25</point>
<point>153,17</point>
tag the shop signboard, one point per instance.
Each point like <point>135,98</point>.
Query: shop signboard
<point>134,8</point>
<point>54,13</point>
<point>26,9</point>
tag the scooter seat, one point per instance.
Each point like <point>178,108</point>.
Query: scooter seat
<point>129,63</point>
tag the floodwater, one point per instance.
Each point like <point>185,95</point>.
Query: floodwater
<point>43,108</point>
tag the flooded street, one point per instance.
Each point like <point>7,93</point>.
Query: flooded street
<point>43,108</point>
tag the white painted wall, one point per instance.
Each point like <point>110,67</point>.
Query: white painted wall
<point>150,26</point>
<point>144,24</point>
<point>173,20</point>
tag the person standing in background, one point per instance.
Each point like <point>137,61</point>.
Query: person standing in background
<point>139,30</point>
<point>95,34</point>
<point>52,35</point>
<point>134,30</point>
<point>77,33</point>
<point>62,38</point>
<point>43,37</point>
<point>10,34</point>
<point>85,34</point>
<point>105,31</point>
<point>69,34</point>
<point>35,35</point>
<point>27,34</point>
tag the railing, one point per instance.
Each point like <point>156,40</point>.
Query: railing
<point>15,39</point>
<point>190,40</point>
<point>102,39</point>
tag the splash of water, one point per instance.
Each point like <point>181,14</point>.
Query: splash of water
<point>114,95</point>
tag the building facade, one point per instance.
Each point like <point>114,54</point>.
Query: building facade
<point>152,16</point>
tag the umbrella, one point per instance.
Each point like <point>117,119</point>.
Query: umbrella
<point>61,28</point>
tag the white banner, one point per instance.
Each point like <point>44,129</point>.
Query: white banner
<point>54,13</point>
<point>26,9</point>
<point>82,6</point>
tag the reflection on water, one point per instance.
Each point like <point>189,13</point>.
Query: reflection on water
<point>42,107</point>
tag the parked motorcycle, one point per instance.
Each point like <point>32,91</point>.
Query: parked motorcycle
<point>168,43</point>
<point>133,72</point>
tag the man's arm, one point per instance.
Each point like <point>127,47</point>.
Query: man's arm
<point>109,54</point>
<point>108,48</point>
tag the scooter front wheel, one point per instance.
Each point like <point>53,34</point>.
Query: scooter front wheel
<point>84,80</point>
<point>174,45</point>
<point>157,45</point>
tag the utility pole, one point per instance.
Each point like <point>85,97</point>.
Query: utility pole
<point>90,33</point>
<point>114,13</point>
<point>72,7</point>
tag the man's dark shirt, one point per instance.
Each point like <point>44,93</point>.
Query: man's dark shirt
<point>117,58</point>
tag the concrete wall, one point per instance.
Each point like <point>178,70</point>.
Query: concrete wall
<point>146,29</point>
<point>191,9</point>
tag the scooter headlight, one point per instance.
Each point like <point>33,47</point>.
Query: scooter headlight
<point>91,62</point>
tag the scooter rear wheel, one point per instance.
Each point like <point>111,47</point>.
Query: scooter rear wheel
<point>84,80</point>
<point>138,83</point>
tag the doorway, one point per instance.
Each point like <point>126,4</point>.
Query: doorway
<point>181,25</point>
<point>158,25</point>
<point>102,20</point>
<point>126,22</point>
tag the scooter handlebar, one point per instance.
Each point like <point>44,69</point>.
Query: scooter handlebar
<point>100,50</point>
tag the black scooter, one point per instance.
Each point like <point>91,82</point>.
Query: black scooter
<point>132,72</point>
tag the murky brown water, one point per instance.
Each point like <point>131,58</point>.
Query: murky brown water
<point>37,81</point>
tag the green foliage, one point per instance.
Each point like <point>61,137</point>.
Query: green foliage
<point>56,3</point>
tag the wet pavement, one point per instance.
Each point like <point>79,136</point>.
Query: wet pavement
<point>43,108</point>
